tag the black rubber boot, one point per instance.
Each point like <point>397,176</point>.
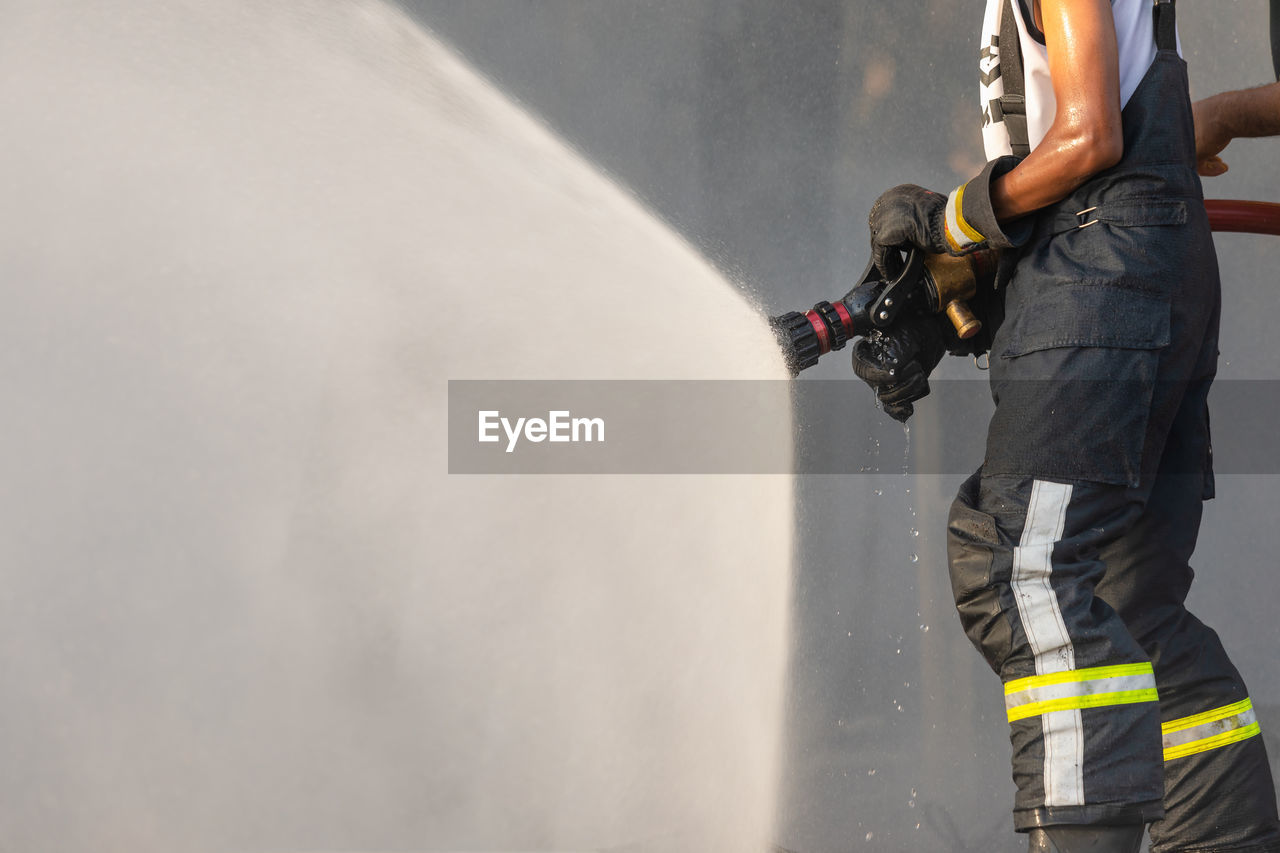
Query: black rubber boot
<point>1086,839</point>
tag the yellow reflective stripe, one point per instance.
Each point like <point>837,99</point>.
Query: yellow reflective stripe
<point>965,228</point>
<point>1207,717</point>
<point>1071,690</point>
<point>1077,675</point>
<point>1209,730</point>
<point>1089,700</point>
<point>1206,744</point>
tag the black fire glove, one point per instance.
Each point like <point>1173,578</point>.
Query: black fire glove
<point>896,362</point>
<point>909,216</point>
<point>904,217</point>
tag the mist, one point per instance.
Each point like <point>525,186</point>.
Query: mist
<point>245,605</point>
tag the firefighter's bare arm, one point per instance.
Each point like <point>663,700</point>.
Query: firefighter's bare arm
<point>1230,115</point>
<point>1086,135</point>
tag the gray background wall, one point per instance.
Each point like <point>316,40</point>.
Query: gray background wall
<point>763,130</point>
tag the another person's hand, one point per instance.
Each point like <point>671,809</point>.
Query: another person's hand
<point>1212,136</point>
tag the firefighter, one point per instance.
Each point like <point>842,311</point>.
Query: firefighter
<point>1069,548</point>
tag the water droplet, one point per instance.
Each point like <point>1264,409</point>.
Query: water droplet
<point>915,532</point>
<point>913,793</point>
<point>879,492</point>
<point>870,835</point>
<point>911,804</point>
<point>924,628</point>
<point>871,772</point>
<point>915,558</point>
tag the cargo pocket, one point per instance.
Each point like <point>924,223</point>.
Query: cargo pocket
<point>972,541</point>
<point>1074,384</point>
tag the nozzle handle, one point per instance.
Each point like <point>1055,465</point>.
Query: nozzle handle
<point>896,293</point>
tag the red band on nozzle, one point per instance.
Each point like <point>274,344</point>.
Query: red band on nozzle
<point>820,329</point>
<point>845,317</point>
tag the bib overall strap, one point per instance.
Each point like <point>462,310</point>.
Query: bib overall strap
<point>1013,103</point>
<point>1166,31</point>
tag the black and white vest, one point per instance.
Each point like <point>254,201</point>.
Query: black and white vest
<point>1134,39</point>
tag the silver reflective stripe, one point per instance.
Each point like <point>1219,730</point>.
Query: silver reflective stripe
<point>1210,730</point>
<point>1047,634</point>
<point>1075,689</point>
<point>1037,604</point>
<point>1063,758</point>
<point>960,234</point>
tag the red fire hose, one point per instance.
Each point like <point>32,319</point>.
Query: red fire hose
<point>1246,217</point>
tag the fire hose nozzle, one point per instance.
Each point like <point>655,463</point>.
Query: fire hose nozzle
<point>932,285</point>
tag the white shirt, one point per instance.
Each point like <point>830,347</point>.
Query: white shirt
<point>1135,40</point>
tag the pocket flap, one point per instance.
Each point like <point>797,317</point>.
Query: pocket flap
<point>1081,314</point>
<point>1134,212</point>
<point>1126,213</point>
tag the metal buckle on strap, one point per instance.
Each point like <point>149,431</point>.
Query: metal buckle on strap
<point>1082,213</point>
